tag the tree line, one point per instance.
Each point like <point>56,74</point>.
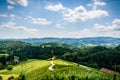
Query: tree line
<point>96,57</point>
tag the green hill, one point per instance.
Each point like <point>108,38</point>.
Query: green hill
<point>63,70</point>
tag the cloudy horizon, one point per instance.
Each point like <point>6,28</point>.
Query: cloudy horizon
<point>59,18</point>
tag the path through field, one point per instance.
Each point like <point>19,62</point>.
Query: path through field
<point>51,67</point>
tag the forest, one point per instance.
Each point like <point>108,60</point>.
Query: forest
<point>96,57</point>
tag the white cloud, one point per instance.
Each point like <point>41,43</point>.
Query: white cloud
<point>102,28</point>
<point>11,1</point>
<point>116,22</point>
<point>3,15</point>
<point>95,4</point>
<point>56,7</point>
<point>39,21</point>
<point>112,30</point>
<point>83,33</point>
<point>114,27</point>
<point>89,5</point>
<point>21,2</point>
<point>14,26</point>
<point>10,7</point>
<point>12,15</point>
<point>8,16</point>
<point>59,25</point>
<point>99,3</point>
<point>79,13</point>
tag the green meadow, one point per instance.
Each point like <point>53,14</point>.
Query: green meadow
<point>4,55</point>
<point>63,70</point>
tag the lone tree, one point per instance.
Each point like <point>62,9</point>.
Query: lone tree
<point>52,53</point>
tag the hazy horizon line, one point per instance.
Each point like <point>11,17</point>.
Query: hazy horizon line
<point>61,37</point>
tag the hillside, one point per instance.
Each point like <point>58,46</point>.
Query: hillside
<point>38,69</point>
<point>96,57</point>
<point>80,42</point>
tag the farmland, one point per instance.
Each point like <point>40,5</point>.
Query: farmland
<point>38,69</point>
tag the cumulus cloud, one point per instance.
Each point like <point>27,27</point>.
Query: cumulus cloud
<point>14,26</point>
<point>114,27</point>
<point>39,21</point>
<point>3,15</point>
<point>56,7</point>
<point>11,1</point>
<point>10,7</point>
<point>95,4</point>
<point>21,2</point>
<point>8,16</point>
<point>112,30</point>
<point>83,33</point>
<point>116,22</point>
<point>79,13</point>
<point>99,3</point>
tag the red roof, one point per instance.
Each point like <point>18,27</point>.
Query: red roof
<point>108,70</point>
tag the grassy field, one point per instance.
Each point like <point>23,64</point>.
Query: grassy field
<point>63,70</point>
<point>4,55</point>
<point>25,68</point>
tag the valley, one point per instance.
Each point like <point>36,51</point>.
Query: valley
<point>57,61</point>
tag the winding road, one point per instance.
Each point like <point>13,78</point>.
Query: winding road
<point>51,67</point>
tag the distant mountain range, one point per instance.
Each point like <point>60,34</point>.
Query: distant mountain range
<point>80,42</point>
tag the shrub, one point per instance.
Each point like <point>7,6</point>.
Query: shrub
<point>21,77</point>
<point>94,65</point>
<point>116,68</point>
<point>10,67</point>
<point>1,66</point>
<point>1,78</point>
<point>11,78</point>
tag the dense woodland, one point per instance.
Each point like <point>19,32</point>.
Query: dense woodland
<point>96,57</point>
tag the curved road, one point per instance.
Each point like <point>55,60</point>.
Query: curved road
<point>51,67</point>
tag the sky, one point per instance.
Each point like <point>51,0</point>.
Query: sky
<point>59,18</point>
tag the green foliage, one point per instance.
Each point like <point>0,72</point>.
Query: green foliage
<point>3,60</point>
<point>94,65</point>
<point>4,55</point>
<point>63,70</point>
<point>1,66</point>
<point>116,67</point>
<point>97,56</point>
<point>12,47</point>
<point>73,73</point>
<point>10,67</point>
<point>1,78</point>
<point>118,47</point>
<point>21,77</point>
<point>11,78</point>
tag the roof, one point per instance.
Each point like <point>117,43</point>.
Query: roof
<point>108,70</point>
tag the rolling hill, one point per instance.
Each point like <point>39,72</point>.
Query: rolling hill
<point>63,70</point>
<point>80,42</point>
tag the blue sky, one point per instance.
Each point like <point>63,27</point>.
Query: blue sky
<point>59,18</point>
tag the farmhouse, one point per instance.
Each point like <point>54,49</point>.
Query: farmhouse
<point>108,70</point>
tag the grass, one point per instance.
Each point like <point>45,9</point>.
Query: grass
<point>25,68</point>
<point>66,70</point>
<point>4,55</point>
<point>5,77</point>
<point>63,70</point>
